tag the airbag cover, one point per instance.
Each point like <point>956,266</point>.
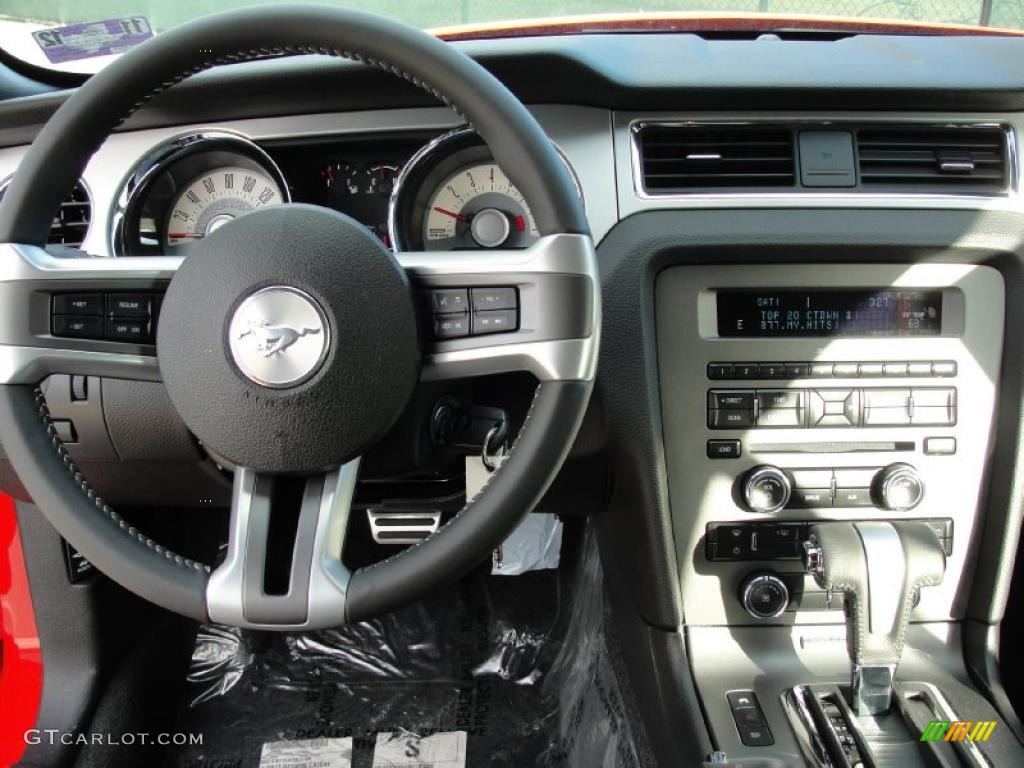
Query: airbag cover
<point>370,360</point>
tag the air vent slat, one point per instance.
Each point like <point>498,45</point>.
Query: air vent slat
<point>686,158</point>
<point>964,158</point>
<point>72,219</point>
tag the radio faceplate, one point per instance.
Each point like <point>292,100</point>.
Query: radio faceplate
<point>816,404</point>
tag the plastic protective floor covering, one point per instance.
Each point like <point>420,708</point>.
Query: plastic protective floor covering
<point>520,664</point>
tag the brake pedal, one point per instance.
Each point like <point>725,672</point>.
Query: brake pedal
<point>388,526</point>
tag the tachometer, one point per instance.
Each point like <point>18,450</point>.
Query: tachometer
<point>477,207</point>
<point>215,198</point>
<point>452,195</point>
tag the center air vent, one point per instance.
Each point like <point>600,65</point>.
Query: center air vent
<point>72,220</point>
<point>693,158</point>
<point>960,158</point>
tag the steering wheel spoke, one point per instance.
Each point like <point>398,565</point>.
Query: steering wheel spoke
<point>553,325</point>
<point>39,335</point>
<point>283,567</point>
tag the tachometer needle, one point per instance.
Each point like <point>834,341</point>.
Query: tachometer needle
<point>456,216</point>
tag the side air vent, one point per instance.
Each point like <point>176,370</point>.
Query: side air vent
<point>693,158</point>
<point>960,158</point>
<point>72,219</point>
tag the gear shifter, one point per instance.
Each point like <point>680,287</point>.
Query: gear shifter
<point>879,567</point>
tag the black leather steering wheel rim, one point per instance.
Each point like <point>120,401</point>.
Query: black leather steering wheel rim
<point>56,160</point>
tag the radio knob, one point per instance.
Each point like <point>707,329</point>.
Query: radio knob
<point>764,595</point>
<point>898,487</point>
<point>766,489</point>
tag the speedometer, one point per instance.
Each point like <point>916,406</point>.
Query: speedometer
<point>214,198</point>
<point>477,207</point>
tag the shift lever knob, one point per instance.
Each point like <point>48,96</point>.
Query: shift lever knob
<point>879,567</point>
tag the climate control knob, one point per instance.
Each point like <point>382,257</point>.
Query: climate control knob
<point>764,595</point>
<point>766,489</point>
<point>898,487</point>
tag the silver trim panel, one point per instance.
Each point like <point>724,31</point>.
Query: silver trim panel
<point>633,199</point>
<point>28,351</point>
<point>328,579</point>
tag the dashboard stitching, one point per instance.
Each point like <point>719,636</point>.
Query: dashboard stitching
<point>470,502</point>
<point>120,522</point>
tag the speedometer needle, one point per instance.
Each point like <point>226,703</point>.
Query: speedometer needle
<point>177,235</point>
<point>456,216</point>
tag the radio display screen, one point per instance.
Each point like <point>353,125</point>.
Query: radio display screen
<point>781,312</point>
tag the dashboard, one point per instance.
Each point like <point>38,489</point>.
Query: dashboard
<point>813,338</point>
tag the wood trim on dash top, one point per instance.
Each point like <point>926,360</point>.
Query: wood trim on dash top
<point>21,663</point>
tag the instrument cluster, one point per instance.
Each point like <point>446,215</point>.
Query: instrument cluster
<point>413,191</point>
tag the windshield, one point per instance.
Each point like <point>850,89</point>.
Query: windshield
<point>83,36</point>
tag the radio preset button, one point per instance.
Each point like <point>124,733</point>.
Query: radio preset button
<point>821,370</point>
<point>919,368</point>
<point>772,371</point>
<point>845,370</point>
<point>720,371</point>
<point>746,371</point>
<point>870,369</point>
<point>895,369</point>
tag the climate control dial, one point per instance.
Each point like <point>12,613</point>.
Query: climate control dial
<point>898,487</point>
<point>766,489</point>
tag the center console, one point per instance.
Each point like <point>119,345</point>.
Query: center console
<point>799,395</point>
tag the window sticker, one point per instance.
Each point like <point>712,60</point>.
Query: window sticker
<point>401,749</point>
<point>310,753</point>
<point>92,38</point>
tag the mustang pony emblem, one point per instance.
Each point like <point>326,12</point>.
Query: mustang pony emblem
<point>274,339</point>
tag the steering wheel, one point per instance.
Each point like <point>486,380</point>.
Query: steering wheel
<point>306,407</point>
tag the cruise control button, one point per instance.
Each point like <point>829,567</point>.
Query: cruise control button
<point>494,321</point>
<point>493,298</point>
<point>130,304</point>
<point>449,301</point>
<point>127,329</point>
<point>78,304</point>
<point>451,326</point>
<point>78,327</point>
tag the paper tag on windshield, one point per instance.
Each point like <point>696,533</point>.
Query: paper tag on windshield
<point>311,753</point>
<point>92,38</point>
<point>407,750</point>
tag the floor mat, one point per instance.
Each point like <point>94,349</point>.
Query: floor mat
<point>519,664</point>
